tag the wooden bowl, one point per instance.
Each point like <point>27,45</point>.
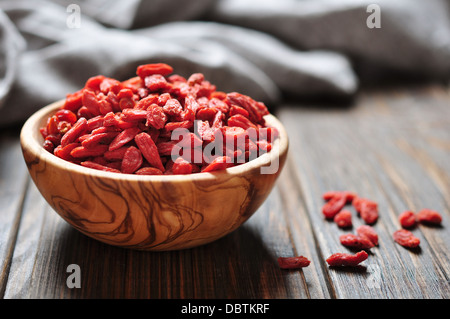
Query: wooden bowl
<point>155,213</point>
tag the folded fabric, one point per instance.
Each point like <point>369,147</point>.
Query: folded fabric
<point>266,49</point>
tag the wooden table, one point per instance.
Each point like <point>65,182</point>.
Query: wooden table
<point>391,146</point>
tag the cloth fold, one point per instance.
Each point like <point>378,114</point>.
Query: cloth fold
<point>266,49</point>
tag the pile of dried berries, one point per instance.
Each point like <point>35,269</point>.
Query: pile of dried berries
<point>157,123</point>
<point>366,236</point>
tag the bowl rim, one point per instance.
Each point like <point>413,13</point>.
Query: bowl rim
<point>29,140</point>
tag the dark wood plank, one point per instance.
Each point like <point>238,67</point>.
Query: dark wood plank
<point>13,181</point>
<point>380,149</point>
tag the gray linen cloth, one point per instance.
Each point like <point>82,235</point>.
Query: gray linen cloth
<point>268,49</point>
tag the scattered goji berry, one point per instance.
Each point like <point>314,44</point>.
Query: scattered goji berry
<point>428,216</point>
<point>369,232</point>
<point>348,195</point>
<point>407,219</point>
<point>334,206</point>
<point>343,259</point>
<point>369,211</point>
<point>356,241</point>
<point>293,262</point>
<point>406,238</point>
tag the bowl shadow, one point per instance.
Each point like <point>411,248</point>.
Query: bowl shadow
<point>229,268</point>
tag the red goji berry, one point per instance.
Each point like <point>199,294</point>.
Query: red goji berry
<point>132,160</point>
<point>255,109</point>
<point>350,196</point>
<point>219,163</point>
<point>100,167</point>
<point>240,121</point>
<point>334,206</point>
<point>157,68</point>
<point>156,117</point>
<point>369,211</point>
<point>116,154</point>
<point>356,241</point>
<point>149,150</point>
<point>123,138</point>
<point>293,262</point>
<point>181,166</point>
<point>406,238</point>
<point>343,219</point>
<point>148,171</point>
<point>66,115</point>
<point>343,259</point>
<point>428,216</point>
<point>73,101</point>
<point>369,232</point>
<point>156,82</point>
<point>76,131</point>
<point>407,219</point>
<point>82,152</point>
<point>131,115</point>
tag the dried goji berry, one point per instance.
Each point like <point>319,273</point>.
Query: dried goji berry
<point>293,262</point>
<point>172,107</point>
<point>132,160</point>
<point>407,219</point>
<point>369,232</point>
<point>350,196</point>
<point>123,138</point>
<point>64,151</point>
<point>66,115</point>
<point>355,241</point>
<point>148,171</point>
<point>156,82</point>
<point>406,238</point>
<point>240,121</point>
<point>116,154</point>
<point>334,206</point>
<point>100,167</point>
<point>343,259</point>
<point>73,101</point>
<point>82,152</point>
<point>149,150</point>
<point>156,68</point>
<point>130,115</point>
<point>156,117</point>
<point>369,211</point>
<point>71,135</point>
<point>219,163</point>
<point>255,109</point>
<point>181,166</point>
<point>428,216</point>
<point>343,219</point>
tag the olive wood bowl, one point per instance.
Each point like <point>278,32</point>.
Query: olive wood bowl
<point>155,213</point>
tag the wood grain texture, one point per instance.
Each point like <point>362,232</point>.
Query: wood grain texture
<point>391,146</point>
<point>379,150</point>
<point>150,212</point>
